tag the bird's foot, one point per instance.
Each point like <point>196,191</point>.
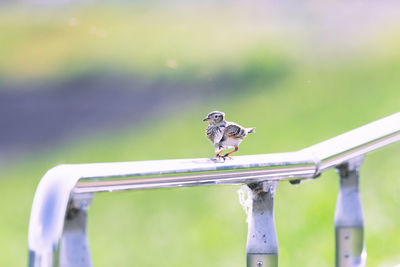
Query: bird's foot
<point>219,157</point>
<point>226,156</point>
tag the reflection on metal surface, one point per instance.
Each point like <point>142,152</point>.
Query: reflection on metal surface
<point>262,260</point>
<point>235,177</point>
<point>350,250</point>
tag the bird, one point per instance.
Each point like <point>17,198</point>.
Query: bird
<point>224,134</point>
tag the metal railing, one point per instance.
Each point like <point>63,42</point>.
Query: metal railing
<point>57,228</point>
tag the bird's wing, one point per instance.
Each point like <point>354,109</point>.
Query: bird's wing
<point>233,130</point>
<point>215,134</point>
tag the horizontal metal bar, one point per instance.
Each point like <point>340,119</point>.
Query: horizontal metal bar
<point>357,142</point>
<point>258,168</point>
<point>306,163</point>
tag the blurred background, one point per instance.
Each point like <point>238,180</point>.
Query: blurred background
<point>99,81</point>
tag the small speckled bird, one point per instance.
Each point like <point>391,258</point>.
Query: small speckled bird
<point>224,134</point>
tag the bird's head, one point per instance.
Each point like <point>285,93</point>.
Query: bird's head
<point>215,117</point>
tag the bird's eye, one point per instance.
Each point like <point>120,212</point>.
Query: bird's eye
<point>216,116</point>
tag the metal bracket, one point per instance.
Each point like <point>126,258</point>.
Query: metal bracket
<point>349,220</point>
<point>262,242</point>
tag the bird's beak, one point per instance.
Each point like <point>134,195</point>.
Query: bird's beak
<point>205,119</point>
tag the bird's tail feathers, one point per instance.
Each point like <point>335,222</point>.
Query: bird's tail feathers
<point>251,130</point>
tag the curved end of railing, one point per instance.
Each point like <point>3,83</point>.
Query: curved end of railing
<point>48,214</point>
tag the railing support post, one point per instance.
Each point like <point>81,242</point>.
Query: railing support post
<point>349,220</point>
<point>74,247</point>
<point>262,243</point>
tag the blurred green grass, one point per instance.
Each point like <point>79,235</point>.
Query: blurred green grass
<point>150,42</point>
<point>206,226</point>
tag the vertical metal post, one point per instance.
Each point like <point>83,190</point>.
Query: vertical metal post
<point>74,247</point>
<point>349,220</point>
<point>262,242</point>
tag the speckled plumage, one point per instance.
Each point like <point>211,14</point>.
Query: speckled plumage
<point>224,135</point>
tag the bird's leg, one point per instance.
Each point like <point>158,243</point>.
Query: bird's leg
<point>233,151</point>
<point>219,153</point>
